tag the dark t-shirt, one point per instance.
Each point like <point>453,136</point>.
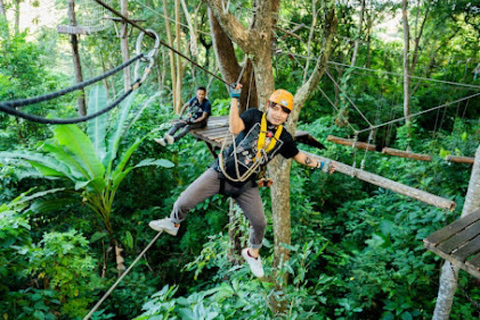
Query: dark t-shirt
<point>247,143</point>
<point>196,109</point>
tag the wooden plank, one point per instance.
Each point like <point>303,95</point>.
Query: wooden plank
<point>470,248</point>
<point>473,271</point>
<point>474,262</point>
<point>453,228</point>
<point>389,184</point>
<point>406,154</point>
<point>458,159</point>
<point>73,30</point>
<point>460,238</point>
<point>349,142</point>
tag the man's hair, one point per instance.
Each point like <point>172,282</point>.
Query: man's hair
<point>202,88</point>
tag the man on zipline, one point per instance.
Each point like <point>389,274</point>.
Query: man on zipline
<point>260,138</point>
<point>199,109</point>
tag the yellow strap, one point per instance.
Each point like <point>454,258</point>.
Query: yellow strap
<point>263,133</point>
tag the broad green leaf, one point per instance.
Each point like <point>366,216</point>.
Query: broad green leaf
<point>97,127</point>
<point>126,157</point>
<point>78,143</point>
<point>51,205</point>
<point>44,161</point>
<point>39,194</point>
<point>97,184</point>
<point>115,136</point>
<point>77,170</point>
<point>152,162</point>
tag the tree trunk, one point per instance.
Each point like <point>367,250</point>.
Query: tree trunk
<point>173,58</point>
<point>359,30</point>
<point>77,65</point>
<point>229,67</point>
<point>406,74</point>
<point>17,16</point>
<point>179,67</point>
<point>124,44</point>
<point>448,283</point>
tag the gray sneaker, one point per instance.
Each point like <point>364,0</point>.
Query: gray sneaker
<point>160,142</point>
<point>255,263</point>
<point>169,138</point>
<point>164,224</point>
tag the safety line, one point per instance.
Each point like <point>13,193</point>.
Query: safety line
<point>338,110</point>
<point>23,102</point>
<point>348,98</point>
<point>421,112</point>
<point>29,117</point>
<point>161,42</point>
<point>122,276</point>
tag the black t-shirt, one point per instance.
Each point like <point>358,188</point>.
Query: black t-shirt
<point>247,143</point>
<point>196,109</point>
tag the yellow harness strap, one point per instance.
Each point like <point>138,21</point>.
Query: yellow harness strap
<point>263,134</point>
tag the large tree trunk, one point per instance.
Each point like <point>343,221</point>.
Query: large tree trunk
<point>124,43</point>
<point>3,13</point>
<point>229,66</point>
<point>77,65</point>
<point>448,283</point>
<point>406,73</point>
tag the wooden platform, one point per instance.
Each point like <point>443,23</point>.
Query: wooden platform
<point>217,128</point>
<point>459,243</point>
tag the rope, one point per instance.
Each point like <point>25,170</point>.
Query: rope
<point>476,304</point>
<point>53,95</point>
<point>121,277</point>
<point>335,107</point>
<point>345,93</point>
<point>421,112</point>
<point>160,41</point>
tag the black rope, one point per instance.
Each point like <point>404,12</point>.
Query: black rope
<point>8,105</point>
<point>20,114</point>
<point>134,24</point>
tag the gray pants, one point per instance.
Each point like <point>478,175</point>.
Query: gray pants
<point>208,185</point>
<point>185,128</point>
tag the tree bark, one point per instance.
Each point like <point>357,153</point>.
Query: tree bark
<point>406,73</point>
<point>2,10</point>
<point>448,283</point>
<point>229,67</point>
<point>77,65</point>
<point>124,43</point>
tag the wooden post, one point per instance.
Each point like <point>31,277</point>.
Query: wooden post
<point>458,159</point>
<point>407,154</point>
<point>389,184</point>
<point>349,142</point>
<point>77,65</point>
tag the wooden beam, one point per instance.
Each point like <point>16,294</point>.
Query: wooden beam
<point>406,154</point>
<point>389,184</point>
<point>73,30</point>
<point>458,159</point>
<point>349,142</point>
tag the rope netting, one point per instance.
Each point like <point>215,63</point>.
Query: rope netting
<point>92,16</point>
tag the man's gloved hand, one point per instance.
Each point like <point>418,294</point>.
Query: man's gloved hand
<point>235,91</point>
<point>326,166</point>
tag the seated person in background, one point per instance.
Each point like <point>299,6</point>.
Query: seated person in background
<point>199,109</point>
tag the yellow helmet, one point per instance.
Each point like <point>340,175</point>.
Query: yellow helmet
<point>283,98</point>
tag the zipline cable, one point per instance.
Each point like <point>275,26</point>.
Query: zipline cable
<point>121,277</point>
<point>161,42</point>
<point>421,112</point>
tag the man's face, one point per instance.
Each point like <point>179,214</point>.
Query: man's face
<point>200,95</point>
<point>276,114</point>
